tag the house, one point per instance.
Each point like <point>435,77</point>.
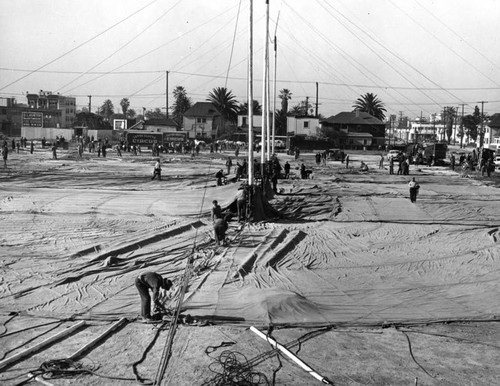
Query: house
<point>307,126</point>
<point>199,121</point>
<point>156,125</point>
<point>492,132</point>
<point>356,130</point>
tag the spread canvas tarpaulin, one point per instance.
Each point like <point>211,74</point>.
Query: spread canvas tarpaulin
<point>350,251</point>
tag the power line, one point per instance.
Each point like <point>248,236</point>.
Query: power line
<point>122,46</point>
<point>337,84</point>
<point>79,46</point>
<point>443,43</point>
<point>139,57</point>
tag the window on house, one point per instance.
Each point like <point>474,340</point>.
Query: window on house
<point>204,120</point>
<point>245,121</point>
<point>306,124</point>
<point>198,120</point>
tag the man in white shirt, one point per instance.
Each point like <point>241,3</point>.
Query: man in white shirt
<point>157,170</point>
<point>413,189</point>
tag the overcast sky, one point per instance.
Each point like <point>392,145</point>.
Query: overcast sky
<point>417,56</point>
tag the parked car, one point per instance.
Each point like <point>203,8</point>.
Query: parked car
<point>393,154</point>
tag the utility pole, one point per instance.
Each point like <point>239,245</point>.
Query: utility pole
<point>481,134</point>
<point>462,126</point>
<point>317,87</point>
<point>166,94</point>
<point>307,105</point>
<point>90,103</point>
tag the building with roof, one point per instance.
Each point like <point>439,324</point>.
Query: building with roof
<point>492,132</point>
<point>58,111</point>
<point>307,126</point>
<point>199,121</point>
<point>355,130</point>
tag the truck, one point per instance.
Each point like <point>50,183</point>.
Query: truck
<point>435,153</point>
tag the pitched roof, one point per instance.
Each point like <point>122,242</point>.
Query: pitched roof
<point>494,120</point>
<point>202,109</point>
<point>161,122</point>
<point>354,118</point>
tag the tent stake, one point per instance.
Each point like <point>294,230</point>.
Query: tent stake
<point>291,356</point>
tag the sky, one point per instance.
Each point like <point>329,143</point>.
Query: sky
<point>416,56</point>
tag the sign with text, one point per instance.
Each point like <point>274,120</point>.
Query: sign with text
<point>145,139</point>
<point>32,119</point>
<point>174,137</point>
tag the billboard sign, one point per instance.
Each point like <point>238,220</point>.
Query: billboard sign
<point>32,119</point>
<point>174,137</point>
<point>144,139</point>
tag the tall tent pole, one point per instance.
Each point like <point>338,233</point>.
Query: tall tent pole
<point>264,94</point>
<point>274,94</point>
<point>250,98</point>
<point>268,100</point>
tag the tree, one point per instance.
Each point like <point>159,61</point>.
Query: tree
<point>256,108</point>
<point>301,109</point>
<point>107,109</point>
<point>369,103</point>
<point>280,122</point>
<point>91,121</point>
<point>226,104</point>
<point>450,114</point>
<point>125,104</point>
<point>155,114</point>
<point>285,95</point>
<point>131,113</point>
<point>470,126</point>
<point>181,104</point>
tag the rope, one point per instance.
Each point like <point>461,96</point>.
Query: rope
<point>412,357</point>
<point>4,325</point>
<point>233,368</point>
<point>167,351</point>
<point>66,368</point>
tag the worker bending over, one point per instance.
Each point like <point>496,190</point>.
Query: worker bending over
<point>158,285</point>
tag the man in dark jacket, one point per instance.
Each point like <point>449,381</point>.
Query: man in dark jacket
<point>220,228</point>
<point>154,282</point>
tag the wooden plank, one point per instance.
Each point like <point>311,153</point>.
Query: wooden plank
<point>97,339</point>
<point>41,345</point>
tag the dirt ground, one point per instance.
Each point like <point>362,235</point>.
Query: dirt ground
<point>58,215</point>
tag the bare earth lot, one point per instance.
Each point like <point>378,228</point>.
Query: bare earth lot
<point>364,286</point>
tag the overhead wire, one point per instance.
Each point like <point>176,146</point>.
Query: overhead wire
<point>232,45</point>
<point>376,52</point>
<point>356,64</point>
<point>447,46</point>
<point>142,56</point>
<point>370,36</point>
<point>80,45</point>
<point>495,88</point>
<point>364,70</point>
<point>462,39</point>
<point>122,46</point>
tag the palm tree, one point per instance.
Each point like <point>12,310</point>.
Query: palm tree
<point>450,114</point>
<point>125,104</point>
<point>285,95</point>
<point>370,104</point>
<point>256,108</point>
<point>226,104</point>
